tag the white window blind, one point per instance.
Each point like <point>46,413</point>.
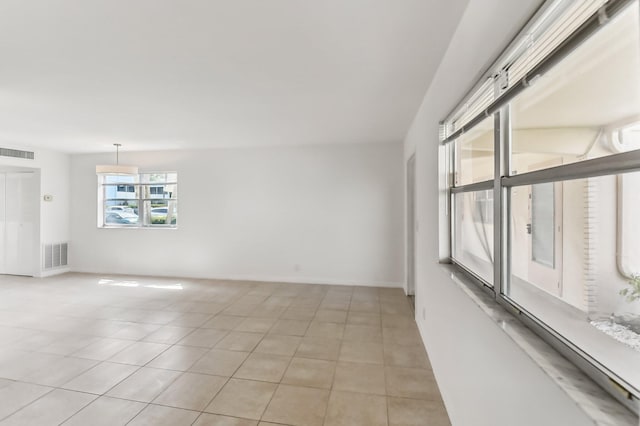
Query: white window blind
<point>479,100</point>
<point>548,29</point>
<point>540,42</point>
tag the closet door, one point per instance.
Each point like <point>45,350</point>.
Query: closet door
<point>21,202</point>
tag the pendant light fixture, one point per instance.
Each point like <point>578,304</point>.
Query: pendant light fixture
<point>116,169</point>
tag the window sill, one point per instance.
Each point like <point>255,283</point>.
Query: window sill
<point>597,404</point>
<point>174,228</point>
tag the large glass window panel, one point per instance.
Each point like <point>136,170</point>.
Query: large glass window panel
<point>473,232</point>
<point>565,265</point>
<point>474,154</point>
<point>587,106</point>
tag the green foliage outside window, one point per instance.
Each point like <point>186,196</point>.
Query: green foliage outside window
<point>632,293</point>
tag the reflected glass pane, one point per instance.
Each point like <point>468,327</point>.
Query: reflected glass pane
<point>474,154</point>
<point>473,232</point>
<point>587,106</point>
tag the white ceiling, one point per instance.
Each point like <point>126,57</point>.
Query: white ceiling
<point>80,75</point>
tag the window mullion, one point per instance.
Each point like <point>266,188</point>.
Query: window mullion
<point>141,206</point>
<point>613,164</point>
<point>501,200</point>
<point>498,258</point>
<point>472,187</point>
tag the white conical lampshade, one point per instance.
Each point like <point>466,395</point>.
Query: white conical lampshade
<point>116,169</point>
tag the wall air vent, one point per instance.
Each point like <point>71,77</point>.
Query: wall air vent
<point>55,255</point>
<point>16,153</point>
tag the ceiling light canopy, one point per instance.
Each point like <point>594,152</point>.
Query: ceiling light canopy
<point>116,169</point>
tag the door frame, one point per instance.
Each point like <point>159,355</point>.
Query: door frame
<point>36,252</point>
<point>411,225</point>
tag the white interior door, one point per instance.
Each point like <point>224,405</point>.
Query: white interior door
<point>20,216</point>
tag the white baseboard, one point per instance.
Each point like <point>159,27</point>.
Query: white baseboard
<point>307,280</point>
<point>52,272</point>
<point>271,279</point>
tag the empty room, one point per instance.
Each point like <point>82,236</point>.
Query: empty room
<point>332,213</point>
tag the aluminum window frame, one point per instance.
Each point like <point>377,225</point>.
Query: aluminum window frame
<point>504,181</point>
<point>616,164</point>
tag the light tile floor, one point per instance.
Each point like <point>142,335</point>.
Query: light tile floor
<point>82,349</point>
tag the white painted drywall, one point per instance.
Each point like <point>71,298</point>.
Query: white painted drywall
<point>53,170</point>
<point>485,379</point>
<point>319,214</point>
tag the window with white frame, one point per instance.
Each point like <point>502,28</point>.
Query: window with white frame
<point>134,201</point>
<point>552,143</point>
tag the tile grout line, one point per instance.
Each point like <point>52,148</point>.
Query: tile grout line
<point>221,311</point>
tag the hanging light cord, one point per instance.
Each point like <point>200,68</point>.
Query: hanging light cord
<point>117,145</point>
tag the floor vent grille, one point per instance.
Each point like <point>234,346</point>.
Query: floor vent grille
<point>56,255</point>
<point>16,153</point>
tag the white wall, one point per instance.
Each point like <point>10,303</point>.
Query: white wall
<point>53,168</point>
<point>319,214</point>
<point>485,379</point>
<point>608,279</point>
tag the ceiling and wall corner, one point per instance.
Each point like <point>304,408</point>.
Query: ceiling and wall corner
<point>164,74</point>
